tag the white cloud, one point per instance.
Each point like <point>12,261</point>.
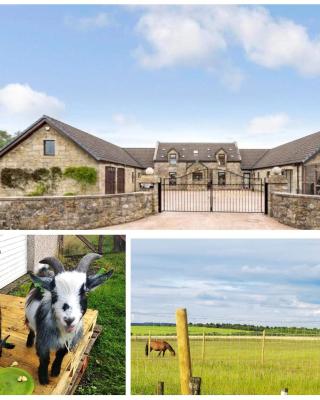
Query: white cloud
<point>20,105</point>
<point>268,124</point>
<point>98,21</point>
<point>176,37</point>
<point>201,35</point>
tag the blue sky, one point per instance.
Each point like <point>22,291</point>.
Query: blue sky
<point>270,282</point>
<point>134,75</point>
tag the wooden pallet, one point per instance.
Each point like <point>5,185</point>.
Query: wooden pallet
<point>74,363</point>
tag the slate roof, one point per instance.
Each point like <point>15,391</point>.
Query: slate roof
<point>206,151</point>
<point>297,151</point>
<point>143,155</point>
<point>250,156</point>
<point>99,149</point>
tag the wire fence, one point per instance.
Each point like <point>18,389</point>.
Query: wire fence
<point>230,360</point>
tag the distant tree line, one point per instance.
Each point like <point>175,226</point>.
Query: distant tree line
<point>271,330</point>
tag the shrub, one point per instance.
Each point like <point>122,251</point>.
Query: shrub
<point>40,190</point>
<point>83,175</point>
<point>41,174</point>
<point>16,178</point>
<point>56,172</point>
<point>69,194</point>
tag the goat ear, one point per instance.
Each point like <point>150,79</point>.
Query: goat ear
<point>94,281</point>
<point>45,282</point>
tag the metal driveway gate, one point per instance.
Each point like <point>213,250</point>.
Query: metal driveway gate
<point>213,191</point>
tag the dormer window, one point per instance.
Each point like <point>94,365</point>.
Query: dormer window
<point>172,159</point>
<point>195,152</point>
<point>222,160</point>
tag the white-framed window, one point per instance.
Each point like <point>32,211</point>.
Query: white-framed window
<point>172,159</point>
<point>221,178</point>
<point>222,160</point>
<point>172,178</point>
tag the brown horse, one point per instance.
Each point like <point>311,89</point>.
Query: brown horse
<point>159,345</point>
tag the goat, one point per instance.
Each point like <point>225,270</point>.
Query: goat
<point>55,307</point>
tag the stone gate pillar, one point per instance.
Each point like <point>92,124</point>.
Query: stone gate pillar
<point>151,183</point>
<point>276,183</point>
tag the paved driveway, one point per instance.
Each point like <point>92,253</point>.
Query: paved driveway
<point>203,220</point>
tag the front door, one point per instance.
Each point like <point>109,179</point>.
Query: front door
<point>110,182</point>
<point>120,180</point>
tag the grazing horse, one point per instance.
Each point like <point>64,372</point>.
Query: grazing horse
<point>159,345</point>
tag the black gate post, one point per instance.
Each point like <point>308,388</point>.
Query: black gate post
<point>266,195</point>
<point>159,196</point>
<point>211,196</point>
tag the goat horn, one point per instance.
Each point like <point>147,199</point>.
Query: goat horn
<point>54,263</point>
<point>85,261</point>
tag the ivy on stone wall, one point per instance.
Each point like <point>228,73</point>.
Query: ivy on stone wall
<point>46,178</point>
<point>83,175</point>
<point>15,178</point>
<point>18,178</point>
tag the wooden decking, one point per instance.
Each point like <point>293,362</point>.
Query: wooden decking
<point>74,363</point>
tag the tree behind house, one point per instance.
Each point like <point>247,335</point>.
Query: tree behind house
<point>5,138</point>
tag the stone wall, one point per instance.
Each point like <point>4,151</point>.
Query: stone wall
<point>276,183</point>
<point>300,211</point>
<point>75,212</point>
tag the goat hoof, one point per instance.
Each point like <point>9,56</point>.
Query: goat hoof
<point>44,380</point>
<point>55,372</point>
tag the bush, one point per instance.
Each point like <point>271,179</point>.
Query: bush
<point>83,175</point>
<point>16,178</point>
<point>69,194</point>
<point>40,190</point>
<point>41,174</point>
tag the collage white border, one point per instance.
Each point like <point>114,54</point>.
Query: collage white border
<point>172,234</point>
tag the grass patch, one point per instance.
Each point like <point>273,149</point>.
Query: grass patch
<point>233,367</point>
<point>164,330</point>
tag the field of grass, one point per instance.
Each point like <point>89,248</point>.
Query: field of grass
<point>106,371</point>
<point>143,330</point>
<point>233,366</point>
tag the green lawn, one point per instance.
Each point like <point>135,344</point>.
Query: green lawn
<point>143,330</point>
<point>233,366</point>
<point>106,370</point>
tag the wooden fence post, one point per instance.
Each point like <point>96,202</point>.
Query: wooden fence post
<point>263,344</point>
<point>149,344</point>
<point>183,350</point>
<point>160,388</point>
<point>195,385</point>
<point>203,345</point>
<point>203,350</point>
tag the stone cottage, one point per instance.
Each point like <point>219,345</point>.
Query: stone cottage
<point>59,157</point>
<point>198,162</point>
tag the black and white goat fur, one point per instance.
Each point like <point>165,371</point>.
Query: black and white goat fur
<point>54,309</point>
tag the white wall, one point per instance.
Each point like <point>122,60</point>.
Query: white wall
<point>13,257</point>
